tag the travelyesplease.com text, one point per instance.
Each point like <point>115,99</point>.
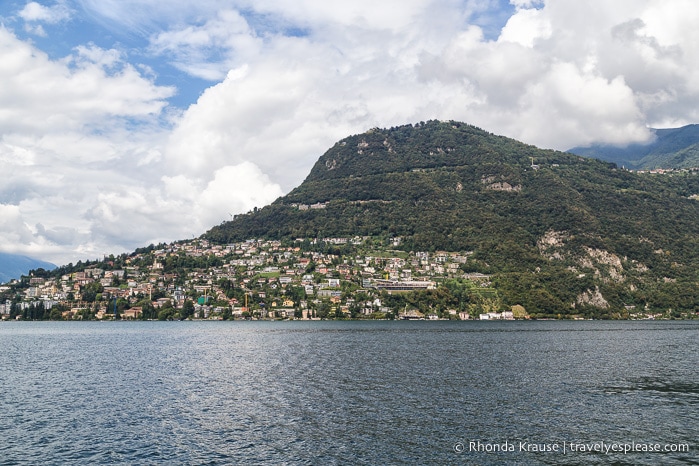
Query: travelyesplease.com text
<point>565,447</point>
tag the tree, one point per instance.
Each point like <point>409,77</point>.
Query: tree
<point>187,311</point>
<point>91,291</point>
<point>166,312</point>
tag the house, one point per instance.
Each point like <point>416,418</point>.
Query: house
<point>284,280</point>
<point>333,282</point>
<point>133,313</point>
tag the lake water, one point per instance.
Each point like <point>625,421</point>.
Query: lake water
<point>210,393</point>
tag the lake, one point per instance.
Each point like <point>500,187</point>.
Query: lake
<point>214,393</point>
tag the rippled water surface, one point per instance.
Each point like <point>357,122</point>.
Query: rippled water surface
<point>345,392</point>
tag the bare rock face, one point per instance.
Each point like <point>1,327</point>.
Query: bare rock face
<point>592,298</point>
<point>504,186</point>
<point>494,185</point>
<point>611,263</point>
<point>550,244</point>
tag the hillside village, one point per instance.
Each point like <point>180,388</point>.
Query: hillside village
<point>255,279</point>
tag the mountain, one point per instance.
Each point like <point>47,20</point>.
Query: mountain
<point>557,232</point>
<point>670,148</point>
<point>13,266</point>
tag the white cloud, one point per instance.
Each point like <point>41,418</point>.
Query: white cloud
<point>13,228</point>
<point>191,48</point>
<point>83,90</point>
<point>525,27</point>
<point>37,30</point>
<point>235,189</point>
<point>34,11</point>
<point>604,110</point>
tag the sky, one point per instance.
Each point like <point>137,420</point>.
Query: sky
<point>130,122</point>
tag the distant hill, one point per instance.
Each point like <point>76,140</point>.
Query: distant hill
<point>558,232</point>
<point>671,148</point>
<point>13,266</point>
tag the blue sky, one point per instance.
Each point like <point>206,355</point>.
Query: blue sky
<point>127,122</point>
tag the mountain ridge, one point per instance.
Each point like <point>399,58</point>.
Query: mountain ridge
<point>13,266</point>
<point>670,148</point>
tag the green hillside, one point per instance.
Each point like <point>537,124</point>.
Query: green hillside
<point>558,231</point>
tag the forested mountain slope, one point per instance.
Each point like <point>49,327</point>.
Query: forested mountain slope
<point>557,231</point>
